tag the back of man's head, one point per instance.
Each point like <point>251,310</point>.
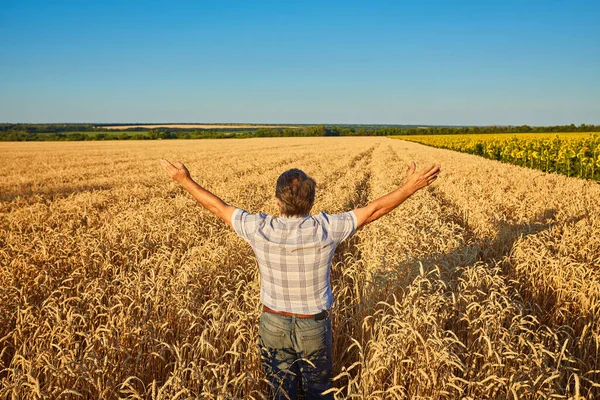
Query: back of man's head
<point>296,192</point>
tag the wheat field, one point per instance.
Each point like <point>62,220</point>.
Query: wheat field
<point>115,284</point>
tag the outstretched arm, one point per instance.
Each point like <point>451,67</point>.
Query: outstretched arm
<point>385,204</point>
<point>179,173</point>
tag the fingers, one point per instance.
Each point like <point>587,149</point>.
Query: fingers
<point>433,174</point>
<point>412,167</point>
<point>431,179</point>
<point>432,170</point>
<point>166,165</point>
<point>170,169</point>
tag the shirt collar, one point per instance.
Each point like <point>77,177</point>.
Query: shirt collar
<point>285,217</point>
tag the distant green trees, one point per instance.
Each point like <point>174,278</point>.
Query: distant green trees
<point>70,132</point>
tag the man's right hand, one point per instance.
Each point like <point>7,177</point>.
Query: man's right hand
<point>177,171</point>
<point>423,178</point>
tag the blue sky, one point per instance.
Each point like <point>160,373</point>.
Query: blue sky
<point>386,62</point>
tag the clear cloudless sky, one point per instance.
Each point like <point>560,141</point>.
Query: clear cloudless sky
<point>382,62</point>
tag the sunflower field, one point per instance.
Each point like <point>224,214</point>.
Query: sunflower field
<point>577,156</point>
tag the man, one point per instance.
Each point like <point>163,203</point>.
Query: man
<point>294,253</point>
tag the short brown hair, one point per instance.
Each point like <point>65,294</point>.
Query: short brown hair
<point>296,192</point>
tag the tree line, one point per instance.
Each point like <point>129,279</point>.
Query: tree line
<point>79,132</point>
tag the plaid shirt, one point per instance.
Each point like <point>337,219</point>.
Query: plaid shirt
<point>294,256</point>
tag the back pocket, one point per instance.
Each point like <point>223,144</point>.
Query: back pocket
<point>270,336</point>
<point>314,341</point>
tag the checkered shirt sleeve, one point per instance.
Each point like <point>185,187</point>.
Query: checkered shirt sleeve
<point>246,224</point>
<point>339,226</point>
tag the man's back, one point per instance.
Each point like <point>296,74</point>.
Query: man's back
<point>294,256</point>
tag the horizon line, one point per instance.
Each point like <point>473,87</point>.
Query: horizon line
<point>100,124</point>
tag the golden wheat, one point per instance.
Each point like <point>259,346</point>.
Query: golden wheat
<point>115,284</point>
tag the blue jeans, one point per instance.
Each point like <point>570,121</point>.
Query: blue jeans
<point>296,351</point>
